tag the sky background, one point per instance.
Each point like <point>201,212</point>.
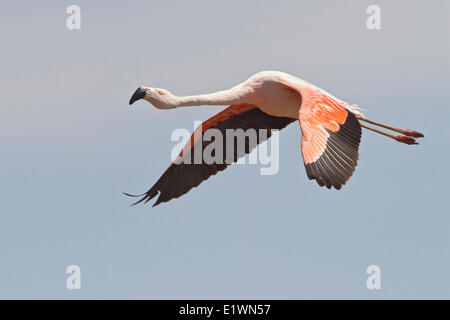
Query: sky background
<point>70,145</point>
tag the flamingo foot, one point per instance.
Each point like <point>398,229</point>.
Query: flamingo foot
<point>405,139</point>
<point>413,133</point>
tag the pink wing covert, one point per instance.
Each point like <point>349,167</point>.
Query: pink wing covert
<point>331,134</point>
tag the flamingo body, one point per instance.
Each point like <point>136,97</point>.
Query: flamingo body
<point>331,129</point>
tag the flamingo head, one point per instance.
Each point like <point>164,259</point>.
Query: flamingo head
<point>160,98</point>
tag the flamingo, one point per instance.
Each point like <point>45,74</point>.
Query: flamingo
<point>331,129</point>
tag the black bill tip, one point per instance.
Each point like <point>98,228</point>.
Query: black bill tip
<point>137,95</point>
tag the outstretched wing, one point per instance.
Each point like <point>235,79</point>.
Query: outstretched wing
<point>330,135</point>
<point>186,173</point>
<point>330,139</point>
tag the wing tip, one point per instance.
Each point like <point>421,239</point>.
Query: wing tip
<point>146,197</point>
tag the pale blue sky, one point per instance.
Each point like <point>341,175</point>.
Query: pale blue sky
<point>70,145</point>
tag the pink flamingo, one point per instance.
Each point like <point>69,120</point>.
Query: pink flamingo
<point>331,128</point>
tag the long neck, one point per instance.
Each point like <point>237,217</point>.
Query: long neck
<point>234,95</point>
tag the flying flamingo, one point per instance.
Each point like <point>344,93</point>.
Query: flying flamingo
<point>331,128</point>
